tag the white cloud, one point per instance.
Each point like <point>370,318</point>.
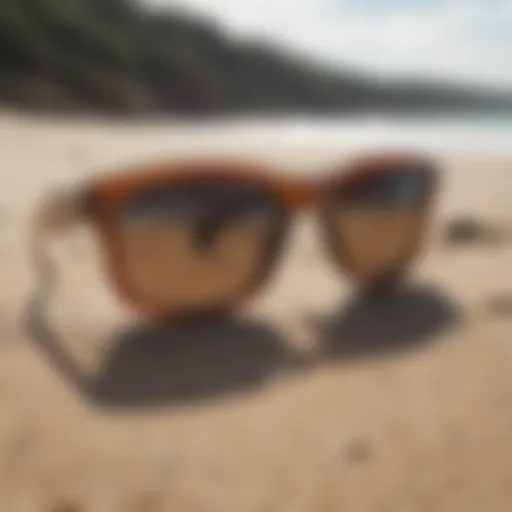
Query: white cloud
<point>459,39</point>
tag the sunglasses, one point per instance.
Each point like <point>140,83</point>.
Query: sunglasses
<point>197,237</point>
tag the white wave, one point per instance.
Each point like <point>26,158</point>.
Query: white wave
<point>474,135</point>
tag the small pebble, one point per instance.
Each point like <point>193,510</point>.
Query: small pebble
<point>357,451</point>
<point>67,506</point>
<point>500,305</point>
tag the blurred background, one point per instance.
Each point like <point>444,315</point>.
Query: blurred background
<point>226,57</point>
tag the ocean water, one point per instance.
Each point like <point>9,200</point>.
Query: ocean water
<point>483,133</point>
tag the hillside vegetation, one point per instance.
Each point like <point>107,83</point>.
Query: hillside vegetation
<point>115,56</point>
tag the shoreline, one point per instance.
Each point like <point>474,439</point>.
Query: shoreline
<point>437,134</point>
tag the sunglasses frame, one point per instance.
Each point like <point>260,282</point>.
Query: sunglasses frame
<point>104,197</point>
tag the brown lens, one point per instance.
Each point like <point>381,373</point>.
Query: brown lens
<point>199,245</point>
<point>376,221</point>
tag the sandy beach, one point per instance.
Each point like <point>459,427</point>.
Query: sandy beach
<point>403,407</point>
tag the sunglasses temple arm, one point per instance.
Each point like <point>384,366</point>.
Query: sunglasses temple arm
<point>52,215</point>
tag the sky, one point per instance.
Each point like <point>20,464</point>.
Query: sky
<point>460,40</point>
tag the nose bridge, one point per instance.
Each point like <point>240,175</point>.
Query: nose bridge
<point>301,194</point>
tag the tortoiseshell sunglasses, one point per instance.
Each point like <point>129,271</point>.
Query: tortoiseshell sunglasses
<point>201,236</point>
